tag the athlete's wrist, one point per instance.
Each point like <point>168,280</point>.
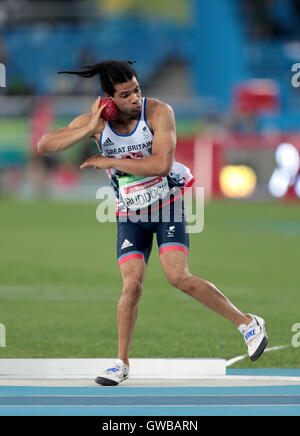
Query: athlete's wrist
<point>109,160</point>
<point>87,131</point>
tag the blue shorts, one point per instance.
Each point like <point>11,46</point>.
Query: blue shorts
<point>135,236</point>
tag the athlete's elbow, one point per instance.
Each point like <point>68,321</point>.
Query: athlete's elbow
<point>164,173</point>
<point>164,170</point>
<point>41,145</point>
<point>45,145</point>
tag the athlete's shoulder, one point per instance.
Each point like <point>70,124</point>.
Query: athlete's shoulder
<point>156,109</point>
<point>155,105</point>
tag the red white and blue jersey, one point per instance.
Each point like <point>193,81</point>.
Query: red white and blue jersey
<point>138,145</point>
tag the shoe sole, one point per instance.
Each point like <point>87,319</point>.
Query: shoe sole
<point>260,349</point>
<point>106,381</point>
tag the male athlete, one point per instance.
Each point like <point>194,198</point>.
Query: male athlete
<point>137,152</point>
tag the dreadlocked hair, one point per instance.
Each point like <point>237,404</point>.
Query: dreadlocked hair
<point>110,73</point>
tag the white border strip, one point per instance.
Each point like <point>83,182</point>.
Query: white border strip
<point>238,358</point>
<point>139,368</point>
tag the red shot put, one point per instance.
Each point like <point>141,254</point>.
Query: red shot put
<point>110,112</point>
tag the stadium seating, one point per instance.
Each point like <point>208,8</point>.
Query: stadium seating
<point>217,32</point>
<point>37,54</point>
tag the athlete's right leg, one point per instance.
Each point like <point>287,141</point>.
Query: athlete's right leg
<point>133,273</point>
<point>134,244</point>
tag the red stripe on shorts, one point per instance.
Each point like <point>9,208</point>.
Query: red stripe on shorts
<point>130,257</point>
<point>173,248</point>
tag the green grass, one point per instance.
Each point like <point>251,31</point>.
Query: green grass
<point>60,284</point>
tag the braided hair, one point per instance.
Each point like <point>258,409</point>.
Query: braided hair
<point>110,73</point>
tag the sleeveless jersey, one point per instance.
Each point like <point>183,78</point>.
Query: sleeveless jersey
<point>138,145</point>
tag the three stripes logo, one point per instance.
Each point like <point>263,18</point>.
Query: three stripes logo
<point>107,143</point>
<point>126,244</point>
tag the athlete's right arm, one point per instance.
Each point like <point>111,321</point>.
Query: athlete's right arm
<point>82,127</point>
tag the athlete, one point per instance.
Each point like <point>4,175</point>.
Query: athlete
<point>137,152</point>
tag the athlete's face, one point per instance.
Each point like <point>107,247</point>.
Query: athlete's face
<point>128,97</point>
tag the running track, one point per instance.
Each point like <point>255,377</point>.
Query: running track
<point>150,401</point>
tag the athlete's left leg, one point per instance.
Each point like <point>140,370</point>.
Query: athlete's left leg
<point>175,266</point>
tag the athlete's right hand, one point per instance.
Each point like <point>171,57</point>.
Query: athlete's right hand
<point>96,124</point>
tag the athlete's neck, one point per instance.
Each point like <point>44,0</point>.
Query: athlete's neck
<point>124,119</point>
<point>124,124</point>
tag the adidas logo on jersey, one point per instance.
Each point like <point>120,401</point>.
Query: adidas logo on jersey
<point>126,244</point>
<point>107,142</point>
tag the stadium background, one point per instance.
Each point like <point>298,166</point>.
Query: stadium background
<point>227,69</point>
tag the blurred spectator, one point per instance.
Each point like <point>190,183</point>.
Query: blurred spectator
<point>285,18</point>
<point>237,122</point>
<point>3,52</point>
<point>74,85</point>
<point>41,166</point>
<point>10,9</point>
<point>273,18</point>
<point>86,56</point>
<point>14,12</point>
<point>297,7</point>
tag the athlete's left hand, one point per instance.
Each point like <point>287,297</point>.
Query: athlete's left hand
<point>100,162</point>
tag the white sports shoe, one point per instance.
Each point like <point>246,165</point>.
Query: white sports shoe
<point>115,375</point>
<point>255,336</point>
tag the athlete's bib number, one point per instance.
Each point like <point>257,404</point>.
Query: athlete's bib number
<point>140,192</point>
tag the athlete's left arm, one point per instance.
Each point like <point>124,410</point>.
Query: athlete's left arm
<point>163,149</point>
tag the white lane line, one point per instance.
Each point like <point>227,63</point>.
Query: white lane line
<point>238,358</point>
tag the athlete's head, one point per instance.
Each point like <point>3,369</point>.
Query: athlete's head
<point>118,80</point>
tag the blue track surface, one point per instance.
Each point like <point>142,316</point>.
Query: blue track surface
<point>130,401</point>
<point>151,401</point>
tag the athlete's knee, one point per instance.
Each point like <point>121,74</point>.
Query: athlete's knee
<point>179,279</point>
<point>132,289</point>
